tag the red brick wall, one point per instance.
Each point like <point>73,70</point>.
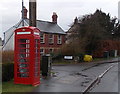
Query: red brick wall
<point>54,46</point>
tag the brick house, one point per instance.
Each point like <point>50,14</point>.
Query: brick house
<point>73,30</point>
<point>52,35</point>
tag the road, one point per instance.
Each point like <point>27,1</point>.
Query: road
<point>77,77</point>
<point>109,82</point>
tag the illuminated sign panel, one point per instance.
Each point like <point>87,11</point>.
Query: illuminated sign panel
<point>23,33</point>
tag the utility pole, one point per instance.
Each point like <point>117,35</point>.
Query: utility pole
<point>32,13</point>
<point>22,13</point>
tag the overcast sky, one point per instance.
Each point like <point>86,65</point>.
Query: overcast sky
<point>67,10</point>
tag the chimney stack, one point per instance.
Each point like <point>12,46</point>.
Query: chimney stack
<point>32,13</point>
<point>54,18</point>
<point>76,20</point>
<point>24,13</point>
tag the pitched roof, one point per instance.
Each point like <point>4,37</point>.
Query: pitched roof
<point>44,26</point>
<point>48,27</point>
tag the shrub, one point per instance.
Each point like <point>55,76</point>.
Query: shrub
<point>7,71</point>
<point>7,65</point>
<point>7,56</point>
<point>57,57</point>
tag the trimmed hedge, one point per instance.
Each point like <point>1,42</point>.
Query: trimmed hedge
<point>7,71</point>
<point>7,56</point>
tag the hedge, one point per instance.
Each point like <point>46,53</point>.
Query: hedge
<point>7,56</point>
<point>7,71</point>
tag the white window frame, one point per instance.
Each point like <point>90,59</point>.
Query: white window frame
<point>42,38</point>
<point>59,39</point>
<point>43,52</point>
<point>51,39</point>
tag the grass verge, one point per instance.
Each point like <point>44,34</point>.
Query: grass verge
<point>11,87</point>
<point>101,59</point>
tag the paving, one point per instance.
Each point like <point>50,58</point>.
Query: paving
<point>72,77</point>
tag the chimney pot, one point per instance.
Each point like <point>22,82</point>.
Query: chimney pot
<point>76,20</point>
<point>54,17</point>
<point>25,12</point>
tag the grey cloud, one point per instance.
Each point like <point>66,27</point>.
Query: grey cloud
<point>68,4</point>
<point>66,10</point>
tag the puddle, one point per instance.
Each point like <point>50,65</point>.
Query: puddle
<point>86,82</point>
<point>88,79</point>
<point>79,74</point>
<point>96,65</point>
<point>54,74</point>
<point>68,79</point>
<point>83,85</point>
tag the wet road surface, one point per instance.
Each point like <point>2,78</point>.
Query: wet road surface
<point>109,83</point>
<point>76,77</point>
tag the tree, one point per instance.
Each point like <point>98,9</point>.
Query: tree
<point>90,30</point>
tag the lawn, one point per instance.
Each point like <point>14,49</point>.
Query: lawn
<point>11,87</point>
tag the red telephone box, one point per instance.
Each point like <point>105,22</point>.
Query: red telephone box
<point>27,56</point>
